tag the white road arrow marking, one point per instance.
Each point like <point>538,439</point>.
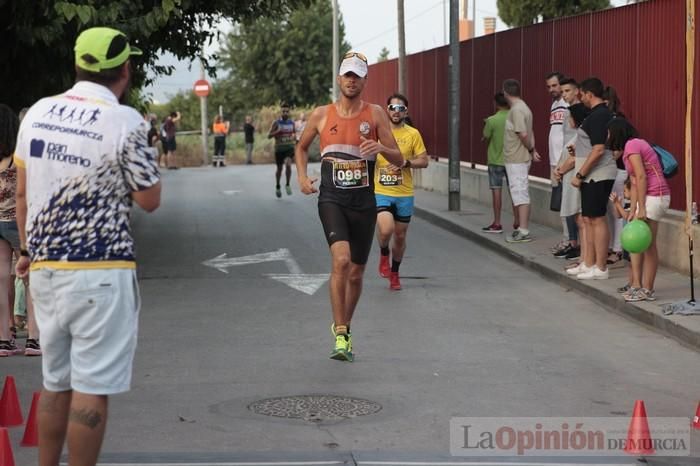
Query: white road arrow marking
<point>296,278</point>
<point>231,192</point>
<point>305,282</point>
<point>222,263</point>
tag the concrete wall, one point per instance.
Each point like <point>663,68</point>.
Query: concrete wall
<point>672,240</point>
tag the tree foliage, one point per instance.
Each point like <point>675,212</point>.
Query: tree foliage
<point>286,58</point>
<point>383,54</point>
<point>37,36</point>
<point>517,13</point>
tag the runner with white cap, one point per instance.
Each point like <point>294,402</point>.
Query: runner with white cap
<point>350,131</point>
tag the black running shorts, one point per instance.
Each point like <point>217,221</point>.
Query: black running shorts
<point>282,155</point>
<point>354,226</point>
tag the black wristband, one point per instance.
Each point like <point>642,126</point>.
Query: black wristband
<point>580,176</point>
<point>407,164</point>
<point>24,253</point>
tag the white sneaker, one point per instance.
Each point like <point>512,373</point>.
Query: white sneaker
<point>594,273</point>
<point>578,269</point>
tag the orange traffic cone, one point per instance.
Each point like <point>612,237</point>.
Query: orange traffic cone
<point>31,432</point>
<point>10,412</point>
<point>6,457</point>
<point>696,419</point>
<point>638,436</point>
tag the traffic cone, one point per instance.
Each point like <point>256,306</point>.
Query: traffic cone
<point>696,419</point>
<point>10,412</point>
<point>6,457</point>
<point>638,436</point>
<point>31,432</point>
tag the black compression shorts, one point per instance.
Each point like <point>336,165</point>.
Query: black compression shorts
<point>353,226</point>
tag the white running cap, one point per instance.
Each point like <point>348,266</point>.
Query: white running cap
<point>353,64</point>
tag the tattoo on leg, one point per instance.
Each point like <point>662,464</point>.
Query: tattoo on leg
<point>86,417</point>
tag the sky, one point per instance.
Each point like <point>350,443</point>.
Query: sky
<point>370,25</point>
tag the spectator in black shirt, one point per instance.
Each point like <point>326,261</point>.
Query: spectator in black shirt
<point>595,174</point>
<point>249,131</point>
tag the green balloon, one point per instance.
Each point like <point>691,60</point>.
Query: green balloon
<point>636,236</point>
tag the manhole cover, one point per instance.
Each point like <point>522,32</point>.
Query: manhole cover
<point>315,408</point>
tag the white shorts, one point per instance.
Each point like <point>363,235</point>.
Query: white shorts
<point>657,206</point>
<point>519,182</point>
<point>88,320</point>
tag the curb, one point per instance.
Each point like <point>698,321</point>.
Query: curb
<point>613,304</point>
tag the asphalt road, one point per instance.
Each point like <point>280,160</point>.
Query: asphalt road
<point>470,335</point>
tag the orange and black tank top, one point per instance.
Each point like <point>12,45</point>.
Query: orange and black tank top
<point>347,178</point>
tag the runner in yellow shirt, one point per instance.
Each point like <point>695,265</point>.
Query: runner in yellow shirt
<point>393,187</point>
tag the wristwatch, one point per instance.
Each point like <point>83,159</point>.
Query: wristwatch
<point>406,164</point>
<point>531,150</point>
<point>580,176</point>
<point>23,252</point>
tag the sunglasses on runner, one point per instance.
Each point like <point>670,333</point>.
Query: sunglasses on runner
<point>397,108</point>
<point>355,54</point>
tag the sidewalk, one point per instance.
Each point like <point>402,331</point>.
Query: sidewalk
<point>670,286</point>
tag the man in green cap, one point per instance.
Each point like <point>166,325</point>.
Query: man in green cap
<point>82,160</point>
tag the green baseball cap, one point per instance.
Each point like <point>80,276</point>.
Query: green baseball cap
<point>101,48</point>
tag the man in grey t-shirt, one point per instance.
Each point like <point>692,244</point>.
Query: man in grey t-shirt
<point>518,153</point>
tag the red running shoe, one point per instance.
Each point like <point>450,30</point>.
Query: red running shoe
<point>384,267</point>
<point>394,282</point>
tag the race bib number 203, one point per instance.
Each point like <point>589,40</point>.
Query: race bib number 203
<point>390,177</point>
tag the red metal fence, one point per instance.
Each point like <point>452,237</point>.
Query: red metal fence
<point>638,49</point>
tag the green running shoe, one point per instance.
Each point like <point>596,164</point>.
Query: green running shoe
<point>289,190</point>
<point>340,352</point>
<point>349,337</point>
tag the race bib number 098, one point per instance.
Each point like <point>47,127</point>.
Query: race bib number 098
<point>350,174</point>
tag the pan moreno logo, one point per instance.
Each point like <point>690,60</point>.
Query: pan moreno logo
<point>39,148</point>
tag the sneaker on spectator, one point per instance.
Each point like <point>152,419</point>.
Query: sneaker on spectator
<point>6,348</point>
<point>594,273</point>
<point>32,348</point>
<point>650,295</point>
<point>518,237</point>
<point>493,228</point>
<point>13,341</point>
<point>573,264</point>
<point>580,268</point>
<point>615,260</point>
<point>562,253</point>
<point>634,295</point>
<point>573,254</point>
<point>559,246</point>
<point>624,289</point>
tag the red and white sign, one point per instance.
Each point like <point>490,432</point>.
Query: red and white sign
<point>202,88</point>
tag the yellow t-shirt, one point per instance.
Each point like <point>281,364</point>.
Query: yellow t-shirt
<point>399,183</point>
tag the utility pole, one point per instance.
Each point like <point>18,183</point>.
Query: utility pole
<point>336,50</point>
<point>203,109</point>
<point>473,19</point>
<point>403,72</point>
<point>453,118</point>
